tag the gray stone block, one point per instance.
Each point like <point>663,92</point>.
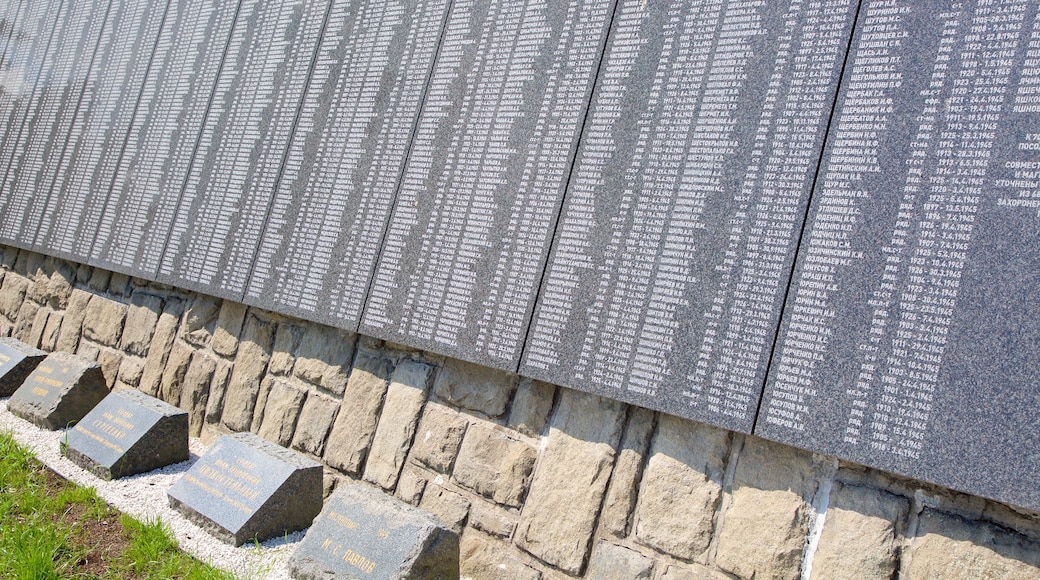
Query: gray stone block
<point>59,392</point>
<point>17,360</point>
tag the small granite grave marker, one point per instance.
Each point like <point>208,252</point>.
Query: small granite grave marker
<point>246,488</point>
<point>128,433</point>
<point>59,392</point>
<point>364,533</point>
<point>17,360</point>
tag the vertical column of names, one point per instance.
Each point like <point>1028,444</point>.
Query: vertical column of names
<point>11,15</point>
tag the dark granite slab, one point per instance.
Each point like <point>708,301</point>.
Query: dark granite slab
<point>247,488</point>
<point>467,240</point>
<point>59,392</point>
<point>909,340</point>
<point>17,361</point>
<point>364,533</point>
<point>674,249</point>
<point>128,433</point>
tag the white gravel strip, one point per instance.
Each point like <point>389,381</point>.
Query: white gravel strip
<point>144,497</point>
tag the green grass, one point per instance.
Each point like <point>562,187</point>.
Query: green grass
<point>60,530</point>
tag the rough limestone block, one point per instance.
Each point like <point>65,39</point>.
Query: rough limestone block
<point>12,294</point>
<point>280,412</point>
<point>952,548</point>
<point>261,402</point>
<point>159,349</point>
<point>531,406</point>
<point>404,401</point>
<point>693,572</point>
<point>495,465</point>
<point>39,323</point>
<point>246,488</point>
<point>358,416</point>
<point>99,279</point>
<point>119,284</point>
<point>492,520</point>
<point>195,394</point>
<point>130,370</point>
<point>72,324</point>
<point>364,533</point>
<point>59,286</point>
<point>59,392</point>
<point>103,322</point>
<point>314,424</point>
<point>475,387</point>
<point>200,320</point>
<point>129,433</point>
<point>483,557</point>
<point>410,486</point>
<point>217,390</point>
<point>250,364</point>
<point>17,361</point>
<point>681,487</point>
<point>439,436</point>
<point>229,326</point>
<point>141,318</point>
<point>49,339</point>
<point>628,469</point>
<point>560,513</point>
<point>449,507</point>
<point>763,531</point>
<point>110,361</point>
<point>172,385</point>
<point>285,341</point>
<point>860,534</point>
<point>324,357</point>
<point>24,323</point>
<point>613,562</point>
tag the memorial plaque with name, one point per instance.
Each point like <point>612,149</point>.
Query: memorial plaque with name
<point>247,488</point>
<point>682,217</point>
<point>471,226</point>
<point>333,199</point>
<point>88,165</point>
<point>165,131</point>
<point>364,533</point>
<point>228,192</point>
<point>17,361</point>
<point>47,126</point>
<point>129,433</point>
<point>59,392</point>
<point>909,337</point>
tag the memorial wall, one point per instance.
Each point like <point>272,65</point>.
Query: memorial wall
<point>810,220</point>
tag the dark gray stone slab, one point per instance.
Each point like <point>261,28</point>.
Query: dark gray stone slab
<point>674,249</point>
<point>17,360</point>
<point>471,227</point>
<point>364,533</point>
<point>909,340</point>
<point>247,488</point>
<point>59,392</point>
<point>227,195</point>
<point>128,433</point>
<point>345,160</point>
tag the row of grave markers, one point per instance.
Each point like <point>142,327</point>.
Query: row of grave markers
<point>811,220</point>
<point>243,489</point>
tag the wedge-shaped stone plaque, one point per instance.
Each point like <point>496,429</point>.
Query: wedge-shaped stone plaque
<point>59,392</point>
<point>17,360</point>
<point>364,533</point>
<point>246,487</point>
<point>128,433</point>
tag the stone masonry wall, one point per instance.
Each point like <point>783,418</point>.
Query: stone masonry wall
<point>541,481</point>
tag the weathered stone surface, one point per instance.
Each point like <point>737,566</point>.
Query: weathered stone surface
<point>253,354</point>
<point>200,320</point>
<point>358,416</point>
<point>39,323</point>
<point>628,469</point>
<point>763,531</point>
<point>217,390</point>
<point>59,287</point>
<point>99,279</point>
<point>229,327</point>
<point>475,387</point>
<point>59,392</point>
<point>495,465</point>
<point>129,433</point>
<point>24,323</point>
<point>363,533</point>
<point>49,339</point>
<point>141,318</point>
<point>859,537</point>
<point>104,320</point>
<point>119,284</point>
<point>159,349</point>
<point>693,572</point>
<point>17,361</point>
<point>272,490</point>
<point>483,557</point>
<point>404,401</point>
<point>952,548</point>
<point>449,507</point>
<point>261,402</point>
<point>324,357</point>
<point>281,411</point>
<point>172,386</point>
<point>438,438</point>
<point>314,424</point>
<point>613,562</point>
<point>110,361</point>
<point>131,369</point>
<point>532,404</point>
<point>681,487</point>
<point>12,294</point>
<point>410,486</point>
<point>72,324</point>
<point>560,513</point>
<point>195,393</point>
<point>492,520</point>
<point>285,341</point>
